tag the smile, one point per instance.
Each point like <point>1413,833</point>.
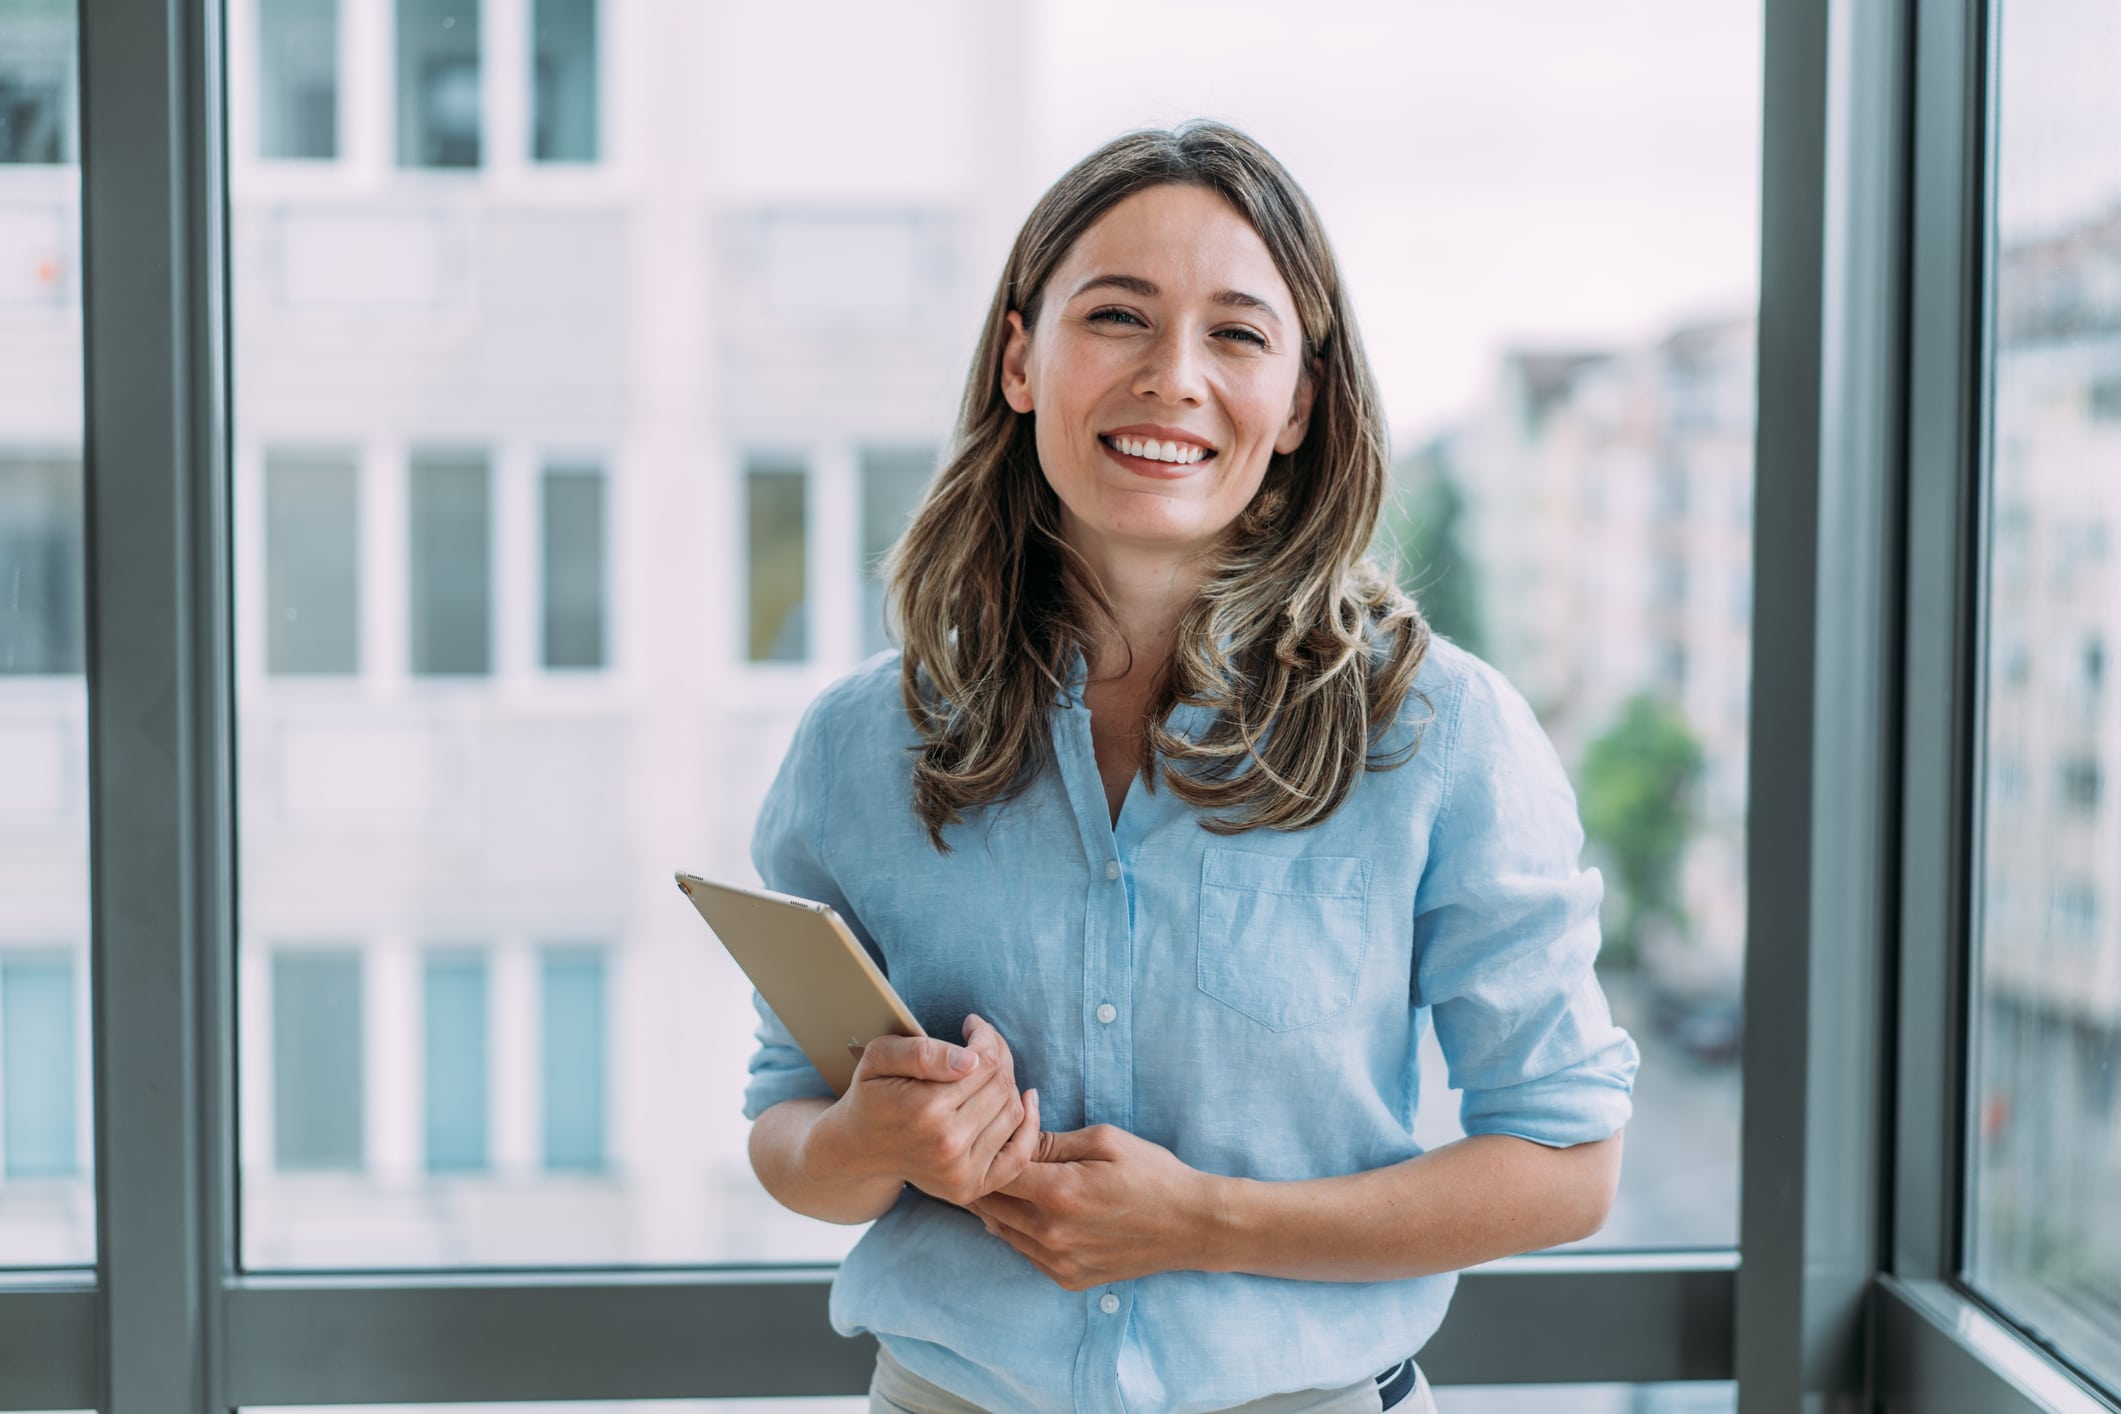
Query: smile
<point>1138,449</point>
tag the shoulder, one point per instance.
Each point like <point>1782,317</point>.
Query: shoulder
<point>861,707</point>
<point>1461,702</point>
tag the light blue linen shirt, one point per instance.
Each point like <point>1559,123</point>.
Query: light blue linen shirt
<point>1252,1003</point>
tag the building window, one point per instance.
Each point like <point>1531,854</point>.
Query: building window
<point>37,117</point>
<point>438,83</point>
<point>564,81</point>
<point>37,1069</point>
<point>779,562</point>
<point>41,570</point>
<point>2080,784</point>
<point>298,79</point>
<point>574,1060</point>
<point>893,481</point>
<point>312,563</point>
<point>2073,911</point>
<point>455,1054</point>
<point>573,543</point>
<point>452,564</point>
<point>316,1053</point>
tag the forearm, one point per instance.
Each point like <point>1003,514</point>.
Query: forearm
<point>1482,1197</point>
<point>797,1164</point>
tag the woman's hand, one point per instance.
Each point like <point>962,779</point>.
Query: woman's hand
<point>1100,1205</point>
<point>914,1115</point>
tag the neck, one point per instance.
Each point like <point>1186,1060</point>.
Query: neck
<point>1149,594</point>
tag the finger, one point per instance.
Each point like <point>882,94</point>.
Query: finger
<point>995,1135</point>
<point>1005,1211</point>
<point>981,1035</point>
<point>1016,1155</point>
<point>917,1058</point>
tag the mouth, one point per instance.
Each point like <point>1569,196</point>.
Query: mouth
<point>1155,457</point>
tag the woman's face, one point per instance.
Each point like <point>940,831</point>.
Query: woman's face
<point>1165,370</point>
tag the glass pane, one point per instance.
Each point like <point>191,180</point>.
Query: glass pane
<point>312,563</point>
<point>317,1055</point>
<point>574,1061</point>
<point>452,565</point>
<point>40,1085</point>
<point>439,99</point>
<point>298,78</point>
<point>2042,1239</point>
<point>702,390</point>
<point>564,81</point>
<point>893,481</point>
<point>47,1197</point>
<point>455,1056</point>
<point>574,568</point>
<point>778,562</point>
<point>41,607</point>
<point>39,120</point>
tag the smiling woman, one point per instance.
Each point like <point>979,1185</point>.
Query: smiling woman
<point>1211,831</point>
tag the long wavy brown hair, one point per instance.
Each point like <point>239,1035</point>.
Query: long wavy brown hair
<point>1302,648</point>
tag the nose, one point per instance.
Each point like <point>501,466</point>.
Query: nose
<point>1172,369</point>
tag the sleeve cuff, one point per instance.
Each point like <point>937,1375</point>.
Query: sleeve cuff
<point>768,1088</point>
<point>1580,1105</point>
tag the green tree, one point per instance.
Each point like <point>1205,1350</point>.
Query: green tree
<point>1422,532</point>
<point>1638,782</point>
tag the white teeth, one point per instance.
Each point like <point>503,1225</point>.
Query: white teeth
<point>1178,453</point>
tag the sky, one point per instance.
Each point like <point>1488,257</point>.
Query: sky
<point>1532,173</point>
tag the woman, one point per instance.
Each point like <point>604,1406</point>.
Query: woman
<point>1173,809</point>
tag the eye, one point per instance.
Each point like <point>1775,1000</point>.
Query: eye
<point>1110,315</point>
<point>1250,336</point>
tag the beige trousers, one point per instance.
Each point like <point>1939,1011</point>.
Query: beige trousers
<point>897,1390</point>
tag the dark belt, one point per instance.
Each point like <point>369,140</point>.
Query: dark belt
<point>1396,1383</point>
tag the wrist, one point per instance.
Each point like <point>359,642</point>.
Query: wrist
<point>828,1152</point>
<point>1225,1217</point>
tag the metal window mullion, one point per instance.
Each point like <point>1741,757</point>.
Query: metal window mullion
<point>1823,768</point>
<point>1946,312</point>
<point>351,1340</point>
<point>159,711</point>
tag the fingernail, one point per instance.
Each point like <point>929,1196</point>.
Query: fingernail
<point>962,1059</point>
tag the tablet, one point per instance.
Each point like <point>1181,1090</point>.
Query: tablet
<point>817,977</point>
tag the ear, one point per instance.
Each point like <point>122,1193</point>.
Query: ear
<point>1016,356</point>
<point>1292,432</point>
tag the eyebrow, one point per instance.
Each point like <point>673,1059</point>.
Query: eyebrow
<point>1147,289</point>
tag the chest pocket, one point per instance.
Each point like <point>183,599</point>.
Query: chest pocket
<point>1282,940</point>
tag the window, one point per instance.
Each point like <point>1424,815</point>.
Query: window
<point>776,520</point>
<point>893,481</point>
<point>37,122</point>
<point>452,564</point>
<point>2080,784</point>
<point>564,81</point>
<point>574,538</point>
<point>2042,1245</point>
<point>439,90</point>
<point>40,565</point>
<point>312,563</point>
<point>298,78</point>
<point>317,1051</point>
<point>455,1056</point>
<point>574,1069</point>
<point>39,1087</point>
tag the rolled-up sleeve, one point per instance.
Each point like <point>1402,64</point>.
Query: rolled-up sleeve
<point>1506,932</point>
<point>787,849</point>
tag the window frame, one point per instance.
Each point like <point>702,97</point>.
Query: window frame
<point>1859,843</point>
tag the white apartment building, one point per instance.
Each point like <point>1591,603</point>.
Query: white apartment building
<point>2050,922</point>
<point>579,378</point>
<point>1609,514</point>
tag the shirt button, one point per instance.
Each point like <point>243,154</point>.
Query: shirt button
<point>1112,869</point>
<point>1108,1303</point>
<point>1106,1012</point>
